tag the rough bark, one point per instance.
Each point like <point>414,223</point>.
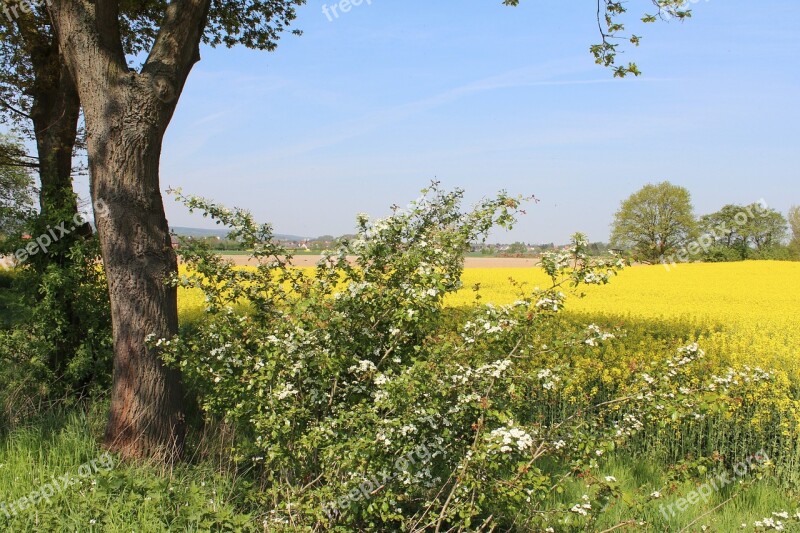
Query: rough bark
<point>146,417</point>
<point>54,113</point>
<point>126,115</point>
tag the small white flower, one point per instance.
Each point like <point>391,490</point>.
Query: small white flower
<point>364,366</point>
<point>286,391</point>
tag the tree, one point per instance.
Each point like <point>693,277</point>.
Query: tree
<point>794,223</point>
<point>766,229</point>
<point>655,221</point>
<point>517,248</point>
<point>727,232</point>
<point>16,193</point>
<point>38,97</point>
<point>127,112</point>
<point>723,226</point>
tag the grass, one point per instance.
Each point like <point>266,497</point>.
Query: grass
<point>196,496</point>
<point>205,495</point>
<point>719,510</point>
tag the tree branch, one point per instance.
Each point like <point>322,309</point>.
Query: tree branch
<point>177,45</point>
<point>14,109</point>
<point>90,32</point>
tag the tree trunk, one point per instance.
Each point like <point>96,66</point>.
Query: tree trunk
<point>54,114</point>
<point>126,115</point>
<point>146,418</point>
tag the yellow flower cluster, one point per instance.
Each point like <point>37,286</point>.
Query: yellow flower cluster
<point>750,311</point>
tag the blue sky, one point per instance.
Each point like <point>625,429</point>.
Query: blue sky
<point>361,112</point>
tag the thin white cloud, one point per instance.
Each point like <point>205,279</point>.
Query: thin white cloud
<point>541,75</point>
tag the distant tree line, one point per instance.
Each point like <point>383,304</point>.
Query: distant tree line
<point>657,224</point>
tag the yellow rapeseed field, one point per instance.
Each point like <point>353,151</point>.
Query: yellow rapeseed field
<point>749,310</point>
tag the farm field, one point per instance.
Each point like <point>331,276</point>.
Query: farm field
<point>747,312</point>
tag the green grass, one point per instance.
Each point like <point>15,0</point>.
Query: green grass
<point>197,496</point>
<point>720,511</point>
<point>202,495</point>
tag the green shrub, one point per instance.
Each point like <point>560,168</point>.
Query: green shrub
<point>724,254</point>
<point>364,406</point>
<point>57,341</point>
<point>773,253</point>
<point>7,277</point>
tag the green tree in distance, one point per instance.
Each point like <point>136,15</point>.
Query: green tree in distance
<point>654,222</point>
<point>794,223</point>
<point>16,193</point>
<point>767,229</point>
<point>724,228</point>
<point>736,230</point>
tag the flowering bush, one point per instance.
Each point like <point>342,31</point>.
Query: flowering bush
<point>365,405</point>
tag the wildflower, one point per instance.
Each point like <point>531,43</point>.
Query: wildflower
<point>364,366</point>
<point>512,435</point>
<point>286,391</point>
